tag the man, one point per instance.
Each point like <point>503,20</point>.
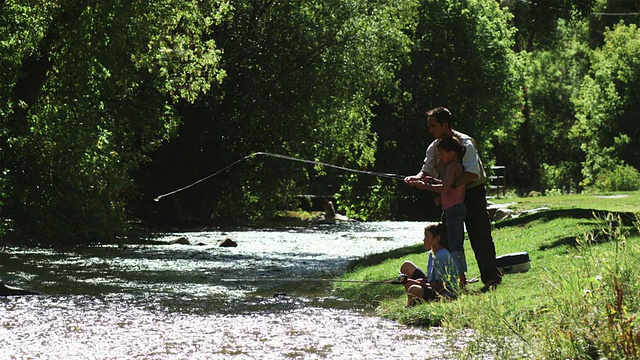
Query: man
<point>477,221</point>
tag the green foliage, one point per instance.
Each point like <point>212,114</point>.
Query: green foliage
<point>553,77</point>
<point>3,220</point>
<point>619,178</point>
<point>461,58</point>
<point>573,89</point>
<point>537,21</point>
<point>585,93</point>
<point>300,77</point>
<point>89,91</point>
<point>607,104</point>
<point>595,301</point>
<point>180,54</point>
<point>371,203</point>
<point>561,177</point>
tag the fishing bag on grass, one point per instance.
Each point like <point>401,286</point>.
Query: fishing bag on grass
<point>514,263</point>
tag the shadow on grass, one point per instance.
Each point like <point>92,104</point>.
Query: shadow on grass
<point>571,241</point>
<point>627,217</point>
<point>599,233</point>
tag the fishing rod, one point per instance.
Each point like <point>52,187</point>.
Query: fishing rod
<point>377,174</point>
<point>401,279</point>
<point>262,153</point>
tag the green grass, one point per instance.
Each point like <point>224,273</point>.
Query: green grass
<point>616,201</point>
<point>580,298</point>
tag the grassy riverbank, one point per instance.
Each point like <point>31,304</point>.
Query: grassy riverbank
<point>580,299</point>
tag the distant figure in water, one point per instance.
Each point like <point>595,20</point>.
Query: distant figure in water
<point>330,216</point>
<point>329,210</point>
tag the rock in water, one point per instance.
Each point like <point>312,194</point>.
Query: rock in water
<point>181,240</point>
<point>14,291</point>
<point>228,242</point>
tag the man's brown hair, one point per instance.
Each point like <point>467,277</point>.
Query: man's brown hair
<point>442,115</point>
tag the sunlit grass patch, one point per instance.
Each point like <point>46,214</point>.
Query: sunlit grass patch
<point>628,201</point>
<point>580,299</point>
<point>594,301</point>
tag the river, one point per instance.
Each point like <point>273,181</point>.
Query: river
<point>202,301</point>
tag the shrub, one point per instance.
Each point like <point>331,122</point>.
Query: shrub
<point>621,178</point>
<point>562,177</point>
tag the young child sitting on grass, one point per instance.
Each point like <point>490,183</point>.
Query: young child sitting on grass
<point>441,278</point>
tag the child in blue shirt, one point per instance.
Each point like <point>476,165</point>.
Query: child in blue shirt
<point>441,278</point>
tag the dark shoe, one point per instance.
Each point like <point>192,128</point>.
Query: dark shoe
<point>490,286</point>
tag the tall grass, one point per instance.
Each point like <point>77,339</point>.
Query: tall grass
<point>595,300</point>
<point>580,300</point>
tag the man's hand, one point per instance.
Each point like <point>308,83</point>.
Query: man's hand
<point>412,179</point>
<point>420,181</point>
<point>420,185</point>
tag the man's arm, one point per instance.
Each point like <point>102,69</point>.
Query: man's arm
<point>429,168</point>
<point>466,178</point>
<point>470,163</point>
<point>448,183</point>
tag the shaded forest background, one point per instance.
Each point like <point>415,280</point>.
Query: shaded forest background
<point>106,105</point>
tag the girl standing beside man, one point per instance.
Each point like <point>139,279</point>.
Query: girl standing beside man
<point>451,153</point>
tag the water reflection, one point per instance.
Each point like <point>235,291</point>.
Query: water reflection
<point>169,301</point>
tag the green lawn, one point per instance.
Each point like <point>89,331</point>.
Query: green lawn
<point>578,300</point>
<point>619,201</point>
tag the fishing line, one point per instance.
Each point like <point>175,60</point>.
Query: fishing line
<point>201,180</point>
<point>373,173</point>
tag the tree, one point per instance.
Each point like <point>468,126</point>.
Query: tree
<point>537,21</point>
<point>89,89</point>
<point>460,58</point>
<point>553,42</point>
<point>607,126</point>
<point>608,13</point>
<point>299,79</point>
<point>553,75</point>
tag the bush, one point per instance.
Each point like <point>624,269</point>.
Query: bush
<point>621,178</point>
<point>561,177</point>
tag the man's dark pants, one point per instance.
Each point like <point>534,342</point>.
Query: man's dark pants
<point>479,231</point>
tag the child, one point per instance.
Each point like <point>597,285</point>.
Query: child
<point>441,277</point>
<point>451,153</point>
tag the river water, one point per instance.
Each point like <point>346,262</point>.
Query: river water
<point>202,301</point>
